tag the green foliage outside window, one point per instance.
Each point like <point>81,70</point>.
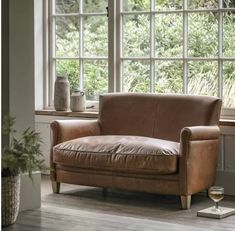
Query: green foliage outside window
<point>202,42</point>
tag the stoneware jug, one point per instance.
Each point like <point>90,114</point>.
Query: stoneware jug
<point>61,93</point>
<point>78,101</point>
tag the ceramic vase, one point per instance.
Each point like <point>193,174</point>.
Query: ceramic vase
<point>61,94</point>
<point>78,101</point>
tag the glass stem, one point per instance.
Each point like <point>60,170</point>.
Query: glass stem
<point>217,205</point>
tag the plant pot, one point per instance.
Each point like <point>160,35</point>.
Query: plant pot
<point>10,199</point>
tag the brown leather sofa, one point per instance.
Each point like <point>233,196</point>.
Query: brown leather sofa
<point>158,143</point>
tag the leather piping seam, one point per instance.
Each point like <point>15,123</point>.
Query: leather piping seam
<point>110,166</point>
<point>119,174</point>
<point>106,153</point>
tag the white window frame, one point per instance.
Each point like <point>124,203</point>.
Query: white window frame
<point>115,56</point>
<point>52,15</point>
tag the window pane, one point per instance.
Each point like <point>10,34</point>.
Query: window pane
<point>169,35</point>
<point>95,6</point>
<point>203,4</point>
<point>66,6</point>
<point>229,85</point>
<point>203,35</point>
<point>136,76</point>
<point>229,34</point>
<point>203,78</point>
<point>228,3</point>
<point>169,77</point>
<point>69,68</point>
<point>96,78</point>
<point>168,4</point>
<point>95,36</point>
<point>136,36</point>
<point>67,37</point>
<point>133,5</point>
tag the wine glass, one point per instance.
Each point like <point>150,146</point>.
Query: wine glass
<point>216,193</point>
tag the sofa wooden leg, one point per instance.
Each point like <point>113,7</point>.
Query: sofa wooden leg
<point>55,186</point>
<point>185,202</point>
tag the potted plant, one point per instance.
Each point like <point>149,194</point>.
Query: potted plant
<point>21,155</point>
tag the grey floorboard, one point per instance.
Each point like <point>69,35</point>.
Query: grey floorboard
<point>86,209</point>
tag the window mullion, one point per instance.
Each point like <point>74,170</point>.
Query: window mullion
<point>119,46</point>
<point>185,47</point>
<point>152,46</point>
<point>46,54</point>
<point>220,50</point>
<point>111,46</point>
<point>81,45</point>
<point>52,42</point>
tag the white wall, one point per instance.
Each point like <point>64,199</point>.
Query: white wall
<point>38,51</point>
<point>5,64</point>
<point>21,84</point>
<point>21,62</point>
<point>226,162</point>
<point>30,191</point>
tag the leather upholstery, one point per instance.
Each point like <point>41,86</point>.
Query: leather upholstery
<point>119,153</point>
<point>190,121</point>
<point>166,185</point>
<point>200,132</point>
<point>155,115</point>
<point>63,130</point>
<point>199,153</point>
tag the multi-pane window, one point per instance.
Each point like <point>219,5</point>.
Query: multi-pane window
<point>161,46</point>
<point>79,41</point>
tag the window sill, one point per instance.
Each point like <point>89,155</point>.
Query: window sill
<point>225,122</point>
<point>86,114</point>
<point>89,114</point>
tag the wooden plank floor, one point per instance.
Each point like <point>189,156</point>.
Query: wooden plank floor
<point>86,209</point>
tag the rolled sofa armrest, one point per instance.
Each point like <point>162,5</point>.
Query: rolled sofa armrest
<point>199,146</point>
<point>63,130</point>
<point>200,133</point>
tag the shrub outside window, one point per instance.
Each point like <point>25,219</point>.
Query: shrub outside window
<point>161,46</point>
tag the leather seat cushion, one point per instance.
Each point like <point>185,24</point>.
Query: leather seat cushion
<point>117,153</point>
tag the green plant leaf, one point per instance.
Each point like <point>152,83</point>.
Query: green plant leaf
<point>22,155</point>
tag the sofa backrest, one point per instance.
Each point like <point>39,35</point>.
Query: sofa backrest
<point>155,115</point>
